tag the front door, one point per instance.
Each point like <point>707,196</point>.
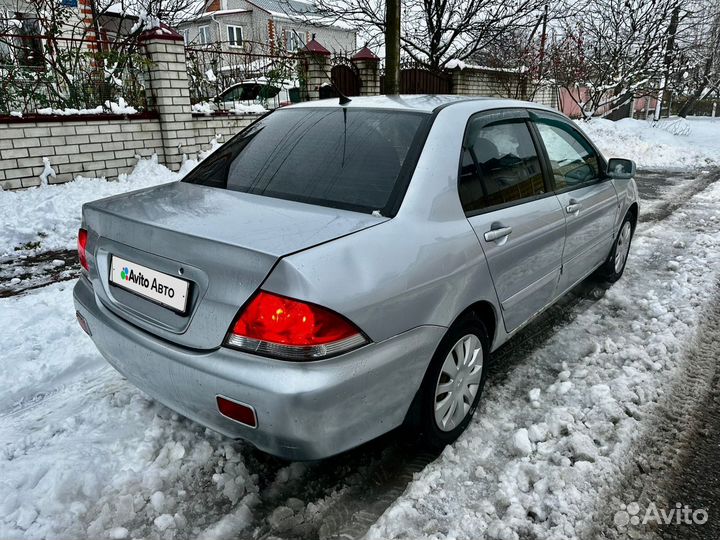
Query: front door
<point>519,222</point>
<point>589,201</point>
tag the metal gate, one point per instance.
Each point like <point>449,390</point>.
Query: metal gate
<point>418,79</point>
<point>345,77</point>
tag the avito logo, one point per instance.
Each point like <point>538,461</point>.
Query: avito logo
<point>136,278</point>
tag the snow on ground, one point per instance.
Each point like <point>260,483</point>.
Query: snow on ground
<point>662,147</point>
<point>560,426</point>
<point>83,454</point>
<point>48,217</point>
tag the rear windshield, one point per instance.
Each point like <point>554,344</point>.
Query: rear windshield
<point>354,159</point>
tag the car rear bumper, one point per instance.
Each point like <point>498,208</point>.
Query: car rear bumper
<point>307,410</point>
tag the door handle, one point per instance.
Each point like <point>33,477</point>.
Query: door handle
<point>573,207</point>
<point>497,234</point>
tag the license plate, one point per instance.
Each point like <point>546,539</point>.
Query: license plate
<point>163,289</point>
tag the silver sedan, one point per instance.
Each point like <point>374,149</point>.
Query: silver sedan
<point>338,270</point>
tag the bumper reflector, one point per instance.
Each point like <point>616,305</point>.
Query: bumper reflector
<point>239,412</point>
<point>83,323</point>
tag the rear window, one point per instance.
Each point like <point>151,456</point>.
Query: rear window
<point>354,159</point>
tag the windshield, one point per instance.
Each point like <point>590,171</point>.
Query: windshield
<point>354,159</point>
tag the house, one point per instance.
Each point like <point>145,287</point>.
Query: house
<point>263,26</point>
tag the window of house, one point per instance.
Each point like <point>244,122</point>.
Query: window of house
<point>499,165</point>
<point>204,35</point>
<point>28,45</point>
<point>292,41</point>
<point>186,36</point>
<point>235,36</point>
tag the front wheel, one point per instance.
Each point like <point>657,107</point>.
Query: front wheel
<point>451,389</point>
<point>614,266</point>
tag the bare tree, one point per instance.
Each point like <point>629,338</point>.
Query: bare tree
<point>693,68</point>
<point>610,51</point>
<point>435,31</point>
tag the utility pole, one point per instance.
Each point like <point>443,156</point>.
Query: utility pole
<point>392,47</point>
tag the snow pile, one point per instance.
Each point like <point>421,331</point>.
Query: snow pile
<point>119,107</point>
<point>101,460</point>
<point>454,63</point>
<point>560,426</point>
<point>207,108</point>
<point>48,217</point>
<point>254,108</point>
<point>204,107</point>
<point>662,147</point>
<point>48,172</point>
<point>214,145</point>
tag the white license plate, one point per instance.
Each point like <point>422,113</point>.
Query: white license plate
<point>161,288</point>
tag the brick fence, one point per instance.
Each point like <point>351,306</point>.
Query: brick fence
<point>107,145</point>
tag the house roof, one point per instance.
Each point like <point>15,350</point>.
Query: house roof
<point>221,12</point>
<point>285,8</point>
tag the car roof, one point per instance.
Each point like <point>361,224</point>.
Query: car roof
<point>420,102</point>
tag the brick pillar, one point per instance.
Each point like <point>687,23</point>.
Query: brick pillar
<point>459,82</point>
<point>367,63</point>
<point>170,92</point>
<point>316,59</point>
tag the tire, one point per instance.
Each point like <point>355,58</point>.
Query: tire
<point>613,268</point>
<point>422,417</point>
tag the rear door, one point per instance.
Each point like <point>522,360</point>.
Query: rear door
<point>588,200</point>
<point>519,222</point>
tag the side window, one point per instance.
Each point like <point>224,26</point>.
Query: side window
<point>499,164</point>
<point>574,162</point>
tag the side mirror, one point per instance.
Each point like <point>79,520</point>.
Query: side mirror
<point>620,169</point>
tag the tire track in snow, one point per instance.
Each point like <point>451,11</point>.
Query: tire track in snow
<point>671,432</point>
<point>664,200</point>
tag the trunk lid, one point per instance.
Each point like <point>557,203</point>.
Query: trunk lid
<point>224,243</point>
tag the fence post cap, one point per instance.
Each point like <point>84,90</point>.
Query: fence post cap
<point>366,54</point>
<point>314,47</point>
<point>163,32</point>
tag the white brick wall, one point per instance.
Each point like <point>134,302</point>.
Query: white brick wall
<point>74,147</point>
<point>206,128</point>
<point>479,82</point>
<point>95,147</point>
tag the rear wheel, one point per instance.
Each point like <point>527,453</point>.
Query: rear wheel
<point>614,266</point>
<point>451,389</point>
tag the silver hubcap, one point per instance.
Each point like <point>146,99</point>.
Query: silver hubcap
<point>623,246</point>
<point>458,382</point>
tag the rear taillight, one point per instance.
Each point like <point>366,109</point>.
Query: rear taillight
<point>278,326</point>
<point>82,249</point>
